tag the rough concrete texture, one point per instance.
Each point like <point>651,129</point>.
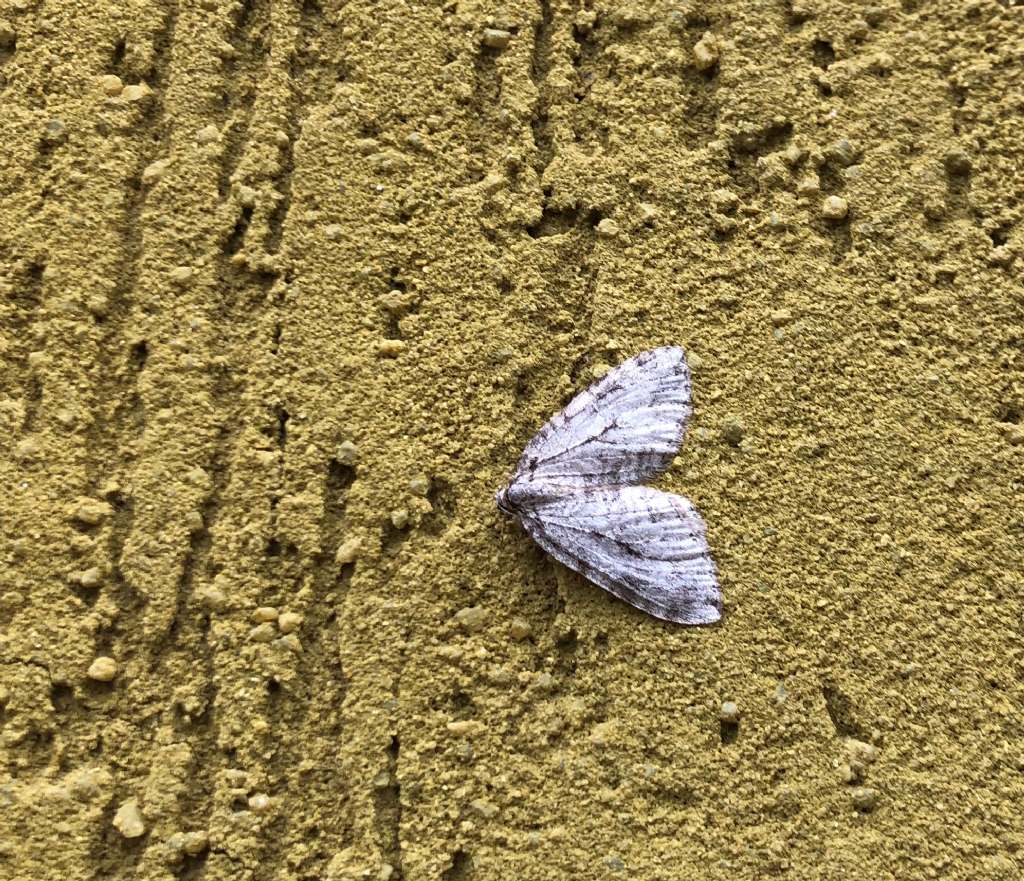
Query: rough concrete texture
<point>286,286</point>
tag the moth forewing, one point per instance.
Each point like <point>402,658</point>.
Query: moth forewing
<point>622,430</point>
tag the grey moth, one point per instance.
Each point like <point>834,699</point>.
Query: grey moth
<point>577,491</point>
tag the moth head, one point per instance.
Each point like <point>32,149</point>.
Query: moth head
<point>501,497</point>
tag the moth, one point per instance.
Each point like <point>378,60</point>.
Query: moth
<point>577,491</point>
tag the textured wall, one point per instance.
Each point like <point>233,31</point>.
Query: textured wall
<point>284,289</point>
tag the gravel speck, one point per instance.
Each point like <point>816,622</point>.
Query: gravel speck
<point>957,162</point>
<point>484,808</point>
<point>705,53</point>
<point>111,85</point>
<point>843,152</point>
<point>102,669</point>
<point>519,629</point>
<point>262,633</point>
<point>495,38</point>
<point>391,348</point>
<point>155,171</point>
<point>91,512</point>
<point>808,186</point>
<point>90,578</point>
<point>212,597</point>
<point>289,622</point>
<point>834,208</point>
<point>472,619</point>
<point>208,134</point>
<point>864,798</point>
<point>733,431</point>
<point>347,551</point>
<point>466,727</point>
<point>194,843</point>
<point>259,803</point>
<point>347,453</point>
<point>419,485</point>
<point>136,92</point>
<point>128,819</point>
<point>291,642</point>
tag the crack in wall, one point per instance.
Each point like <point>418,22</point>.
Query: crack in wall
<point>540,65</point>
<point>309,22</point>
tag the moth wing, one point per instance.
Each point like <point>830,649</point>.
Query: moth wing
<point>645,546</point>
<point>622,430</point>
